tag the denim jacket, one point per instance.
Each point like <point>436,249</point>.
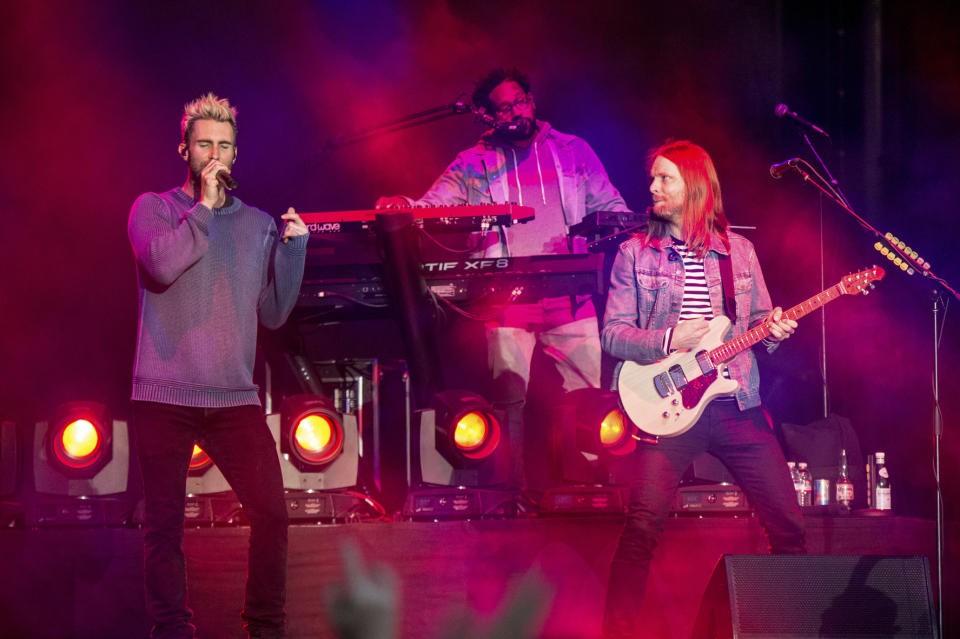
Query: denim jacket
<point>479,175</point>
<point>646,293</point>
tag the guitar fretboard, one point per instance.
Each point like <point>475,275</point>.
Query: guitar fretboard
<point>728,350</point>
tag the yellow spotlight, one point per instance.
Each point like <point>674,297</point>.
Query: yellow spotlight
<point>613,428</point>
<point>317,438</point>
<point>199,459</point>
<point>314,433</point>
<point>80,439</point>
<point>471,431</point>
<point>468,430</point>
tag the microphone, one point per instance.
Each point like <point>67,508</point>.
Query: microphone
<point>777,171</point>
<point>510,126</point>
<point>783,111</point>
<point>227,180</point>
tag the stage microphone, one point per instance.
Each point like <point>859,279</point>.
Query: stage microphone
<point>783,111</point>
<point>511,126</point>
<point>777,171</point>
<point>227,180</point>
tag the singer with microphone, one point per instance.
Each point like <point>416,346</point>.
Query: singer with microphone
<point>523,160</point>
<point>210,268</point>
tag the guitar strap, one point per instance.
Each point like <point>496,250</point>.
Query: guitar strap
<point>726,281</point>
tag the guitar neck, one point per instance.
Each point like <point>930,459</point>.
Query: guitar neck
<point>728,350</point>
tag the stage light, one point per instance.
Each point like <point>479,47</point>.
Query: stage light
<point>459,462</point>
<point>467,428</point>
<point>613,429</point>
<point>317,439</point>
<point>78,445</point>
<point>470,433</point>
<point>79,441</point>
<point>457,441</point>
<point>590,444</point>
<point>80,469</point>
<point>602,428</point>
<point>318,450</point>
<point>203,478</point>
<point>199,461</point>
<point>210,499</point>
<point>205,482</point>
<point>319,445</point>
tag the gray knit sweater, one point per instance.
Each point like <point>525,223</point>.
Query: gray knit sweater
<point>205,278</point>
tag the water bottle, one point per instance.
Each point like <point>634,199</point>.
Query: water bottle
<point>844,485</point>
<point>806,485</point>
<point>881,493</point>
<point>795,478</point>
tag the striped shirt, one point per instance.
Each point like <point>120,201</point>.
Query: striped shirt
<point>696,295</point>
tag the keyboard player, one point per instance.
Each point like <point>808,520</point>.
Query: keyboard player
<point>525,161</point>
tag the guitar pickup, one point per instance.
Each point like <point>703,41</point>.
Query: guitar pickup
<point>662,383</point>
<point>677,376</point>
<point>706,366</point>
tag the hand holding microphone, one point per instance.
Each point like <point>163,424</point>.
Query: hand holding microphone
<point>214,178</point>
<point>228,181</point>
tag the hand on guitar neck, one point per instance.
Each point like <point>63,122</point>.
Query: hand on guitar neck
<point>780,327</point>
<point>688,333</point>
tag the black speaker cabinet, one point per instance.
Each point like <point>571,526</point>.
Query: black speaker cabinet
<point>817,596</point>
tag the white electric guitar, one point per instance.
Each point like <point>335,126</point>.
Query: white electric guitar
<point>666,398</point>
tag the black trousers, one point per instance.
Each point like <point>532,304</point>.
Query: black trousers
<point>744,442</point>
<point>240,444</point>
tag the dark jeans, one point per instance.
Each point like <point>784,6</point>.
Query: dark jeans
<point>744,442</point>
<point>239,442</point>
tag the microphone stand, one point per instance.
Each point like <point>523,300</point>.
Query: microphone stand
<point>834,194</point>
<point>335,142</point>
<point>835,187</point>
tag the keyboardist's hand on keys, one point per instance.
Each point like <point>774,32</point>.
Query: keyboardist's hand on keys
<point>392,202</point>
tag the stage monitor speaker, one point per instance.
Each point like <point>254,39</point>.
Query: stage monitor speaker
<point>817,596</point>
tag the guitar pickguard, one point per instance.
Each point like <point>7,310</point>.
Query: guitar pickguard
<point>666,398</point>
<point>693,392</point>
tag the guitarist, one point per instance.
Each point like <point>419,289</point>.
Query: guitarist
<point>665,284</point>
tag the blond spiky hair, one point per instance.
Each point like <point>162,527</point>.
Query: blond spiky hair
<point>207,107</point>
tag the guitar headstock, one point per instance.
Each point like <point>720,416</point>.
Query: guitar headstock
<point>861,282</point>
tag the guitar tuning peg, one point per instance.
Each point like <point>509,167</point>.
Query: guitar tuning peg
<point>872,286</point>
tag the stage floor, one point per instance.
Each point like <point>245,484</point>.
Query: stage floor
<point>61,583</point>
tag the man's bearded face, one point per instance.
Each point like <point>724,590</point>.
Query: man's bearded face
<point>514,111</point>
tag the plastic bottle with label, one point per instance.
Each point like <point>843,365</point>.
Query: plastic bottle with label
<point>795,478</point>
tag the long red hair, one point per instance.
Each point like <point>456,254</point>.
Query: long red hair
<point>702,212</point>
